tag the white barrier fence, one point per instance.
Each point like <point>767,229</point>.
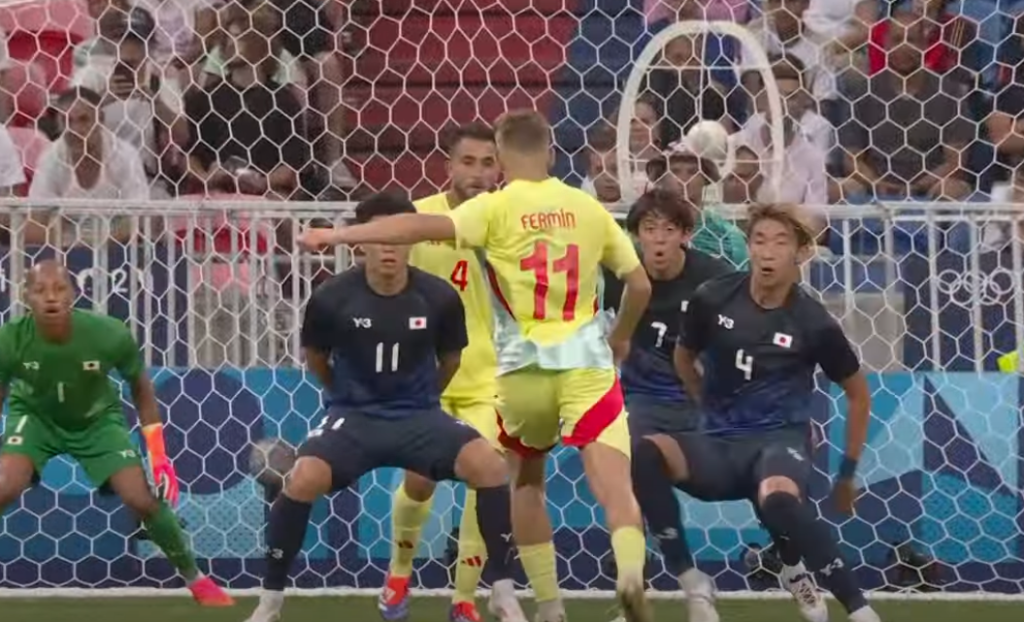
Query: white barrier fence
<point>932,295</point>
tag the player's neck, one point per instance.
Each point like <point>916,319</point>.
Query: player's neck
<point>453,198</point>
<point>527,168</point>
<point>770,296</point>
<point>57,333</point>
<point>387,285</point>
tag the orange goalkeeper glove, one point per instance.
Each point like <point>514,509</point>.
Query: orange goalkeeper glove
<point>164,477</point>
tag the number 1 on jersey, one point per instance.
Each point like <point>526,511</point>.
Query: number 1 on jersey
<point>538,264</point>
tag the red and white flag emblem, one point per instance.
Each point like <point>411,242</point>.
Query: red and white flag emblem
<point>417,323</point>
<point>783,340</point>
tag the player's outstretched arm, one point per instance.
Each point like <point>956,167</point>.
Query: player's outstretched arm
<point>399,229</point>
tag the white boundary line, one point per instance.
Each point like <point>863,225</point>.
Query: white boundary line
<point>133,592</point>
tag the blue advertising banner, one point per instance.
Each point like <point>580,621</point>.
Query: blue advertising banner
<point>968,303</point>
<point>150,289</point>
<point>943,468</point>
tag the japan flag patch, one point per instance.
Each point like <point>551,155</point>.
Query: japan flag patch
<point>417,323</point>
<point>783,340</point>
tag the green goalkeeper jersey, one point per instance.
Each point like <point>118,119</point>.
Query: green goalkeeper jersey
<point>67,383</point>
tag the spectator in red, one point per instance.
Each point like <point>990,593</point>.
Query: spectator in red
<point>245,129</point>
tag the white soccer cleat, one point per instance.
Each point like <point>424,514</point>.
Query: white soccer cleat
<point>504,605</point>
<point>799,582</point>
<point>700,596</point>
<point>865,614</point>
<point>550,611</point>
<point>269,609</point>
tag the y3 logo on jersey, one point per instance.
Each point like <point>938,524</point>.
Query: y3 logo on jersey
<point>362,322</point>
<point>725,321</point>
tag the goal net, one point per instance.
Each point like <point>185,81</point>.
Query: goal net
<point>188,234</point>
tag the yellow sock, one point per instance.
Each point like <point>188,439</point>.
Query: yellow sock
<point>472,554</point>
<point>630,550</point>
<point>539,564</point>
<point>407,518</point>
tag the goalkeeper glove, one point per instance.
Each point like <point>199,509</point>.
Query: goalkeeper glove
<point>164,477</point>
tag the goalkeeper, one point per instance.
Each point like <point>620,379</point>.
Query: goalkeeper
<point>55,362</point>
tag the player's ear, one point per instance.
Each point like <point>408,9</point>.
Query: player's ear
<point>804,254</point>
<point>551,157</point>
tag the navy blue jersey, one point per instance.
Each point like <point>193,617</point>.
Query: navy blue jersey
<point>384,349</point>
<point>759,364</point>
<point>648,372</point>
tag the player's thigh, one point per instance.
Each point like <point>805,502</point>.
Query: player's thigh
<point>349,445</point>
<point>429,444</point>
<point>104,448</point>
<point>528,411</point>
<point>480,414</point>
<point>649,417</point>
<point>29,435</point>
<point>782,454</point>
<point>592,409</point>
<point>713,473</point>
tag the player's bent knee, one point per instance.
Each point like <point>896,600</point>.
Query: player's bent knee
<point>660,450</point>
<point>16,473</point>
<point>776,485</point>
<point>308,480</point>
<point>480,465</point>
<point>417,487</point>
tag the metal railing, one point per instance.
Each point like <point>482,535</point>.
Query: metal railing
<point>210,283</point>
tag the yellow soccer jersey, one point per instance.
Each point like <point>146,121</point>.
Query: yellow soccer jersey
<point>545,243</point>
<point>475,380</point>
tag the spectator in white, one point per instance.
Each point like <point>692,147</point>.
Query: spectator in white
<point>804,180</point>
<point>782,32</point>
<point>245,130</point>
<point>843,26</point>
<point>139,106</point>
<point>181,27</point>
<point>89,161</point>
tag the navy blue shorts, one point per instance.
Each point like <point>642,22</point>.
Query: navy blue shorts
<point>648,417</point>
<point>427,443</point>
<point>732,468</point>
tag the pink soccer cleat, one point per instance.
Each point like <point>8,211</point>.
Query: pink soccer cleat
<point>209,594</point>
<point>464,612</point>
<point>393,603</point>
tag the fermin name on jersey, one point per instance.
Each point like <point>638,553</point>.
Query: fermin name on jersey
<point>539,221</point>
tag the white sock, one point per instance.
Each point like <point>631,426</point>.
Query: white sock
<point>271,600</point>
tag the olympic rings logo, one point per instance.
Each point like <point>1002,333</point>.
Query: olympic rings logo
<point>986,288</point>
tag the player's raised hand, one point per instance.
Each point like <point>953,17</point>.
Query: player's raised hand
<point>164,477</point>
<point>317,239</point>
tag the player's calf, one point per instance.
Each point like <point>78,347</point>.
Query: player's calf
<point>484,469</point>
<point>410,509</point>
<point>785,514</point>
<point>610,477</point>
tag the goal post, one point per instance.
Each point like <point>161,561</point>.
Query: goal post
<point>757,60</point>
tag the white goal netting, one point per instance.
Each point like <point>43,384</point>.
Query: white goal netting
<point>170,151</point>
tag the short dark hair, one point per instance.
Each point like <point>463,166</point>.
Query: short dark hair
<point>524,130</point>
<point>786,214</point>
<point>477,130</point>
<point>671,206</point>
<point>75,93</point>
<point>383,204</point>
<point>602,137</point>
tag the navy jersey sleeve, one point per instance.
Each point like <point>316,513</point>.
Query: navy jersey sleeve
<point>695,322</point>
<point>316,328</point>
<point>612,291</point>
<point>833,352</point>
<point>451,334</point>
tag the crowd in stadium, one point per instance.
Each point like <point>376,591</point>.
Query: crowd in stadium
<point>885,100</point>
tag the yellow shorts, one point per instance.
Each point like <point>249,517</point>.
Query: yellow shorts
<point>581,406</point>
<point>480,414</point>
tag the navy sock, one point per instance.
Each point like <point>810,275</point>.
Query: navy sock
<point>787,550</point>
<point>655,493</point>
<point>494,515</point>
<point>285,532</point>
<point>786,516</point>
